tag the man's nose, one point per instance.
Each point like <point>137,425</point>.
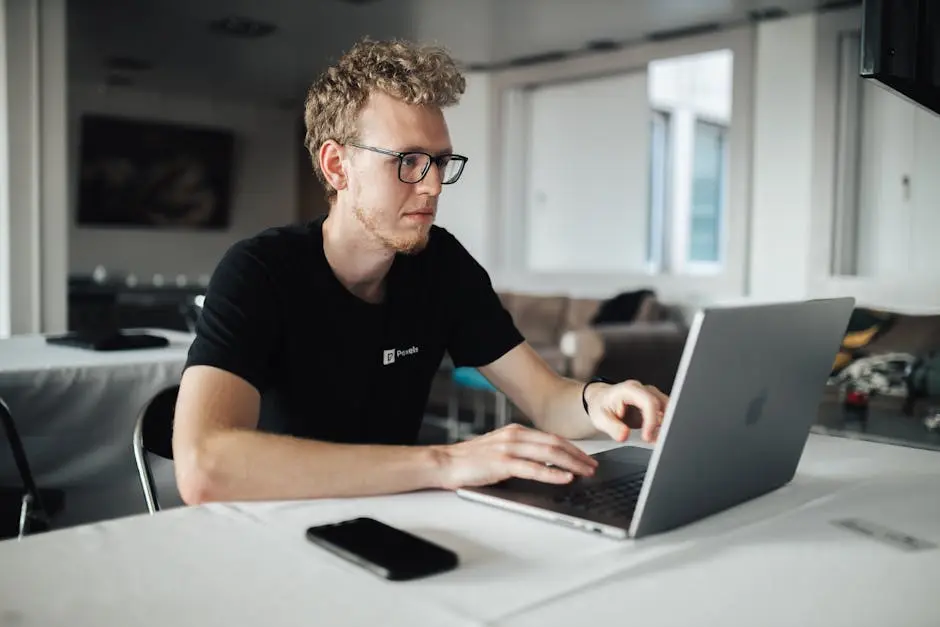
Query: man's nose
<point>431,183</point>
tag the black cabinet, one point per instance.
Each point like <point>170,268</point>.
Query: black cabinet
<point>103,306</point>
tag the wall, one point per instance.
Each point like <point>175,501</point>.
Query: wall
<point>466,208</point>
<point>783,133</point>
<point>899,189</point>
<point>264,192</point>
<point>5,274</point>
<point>586,192</point>
<point>902,139</point>
<point>33,213</point>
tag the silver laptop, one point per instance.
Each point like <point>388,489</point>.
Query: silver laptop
<point>744,398</point>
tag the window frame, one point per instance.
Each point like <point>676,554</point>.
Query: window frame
<point>508,135</point>
<point>659,205</point>
<point>707,267</point>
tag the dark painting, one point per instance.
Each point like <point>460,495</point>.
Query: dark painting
<point>141,173</point>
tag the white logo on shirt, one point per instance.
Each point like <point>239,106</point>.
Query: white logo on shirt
<point>389,356</point>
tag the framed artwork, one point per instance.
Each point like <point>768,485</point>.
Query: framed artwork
<point>138,173</point>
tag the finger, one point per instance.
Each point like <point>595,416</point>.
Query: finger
<point>643,400</point>
<point>524,469</point>
<point>524,434</point>
<point>661,397</point>
<point>614,426</point>
<point>556,455</point>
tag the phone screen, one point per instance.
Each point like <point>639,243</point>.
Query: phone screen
<point>382,549</point>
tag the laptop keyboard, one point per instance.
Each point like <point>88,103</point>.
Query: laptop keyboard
<point>614,497</point>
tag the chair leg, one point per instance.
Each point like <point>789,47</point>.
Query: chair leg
<point>479,412</point>
<point>453,413</point>
<point>502,410</point>
<point>26,512</point>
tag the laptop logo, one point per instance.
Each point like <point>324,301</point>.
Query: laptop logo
<point>755,409</point>
<point>389,356</point>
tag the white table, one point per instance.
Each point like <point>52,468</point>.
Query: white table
<point>777,560</point>
<point>75,411</point>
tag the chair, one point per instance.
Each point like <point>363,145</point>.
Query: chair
<point>190,310</point>
<point>36,508</point>
<point>153,435</point>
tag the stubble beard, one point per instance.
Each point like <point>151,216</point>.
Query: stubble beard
<point>406,243</point>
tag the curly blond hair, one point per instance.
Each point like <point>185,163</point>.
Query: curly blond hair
<point>412,73</point>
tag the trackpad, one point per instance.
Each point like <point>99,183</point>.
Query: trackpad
<point>630,455</point>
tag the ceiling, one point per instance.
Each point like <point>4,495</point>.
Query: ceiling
<point>185,56</point>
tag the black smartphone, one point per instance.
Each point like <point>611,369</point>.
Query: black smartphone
<point>382,549</point>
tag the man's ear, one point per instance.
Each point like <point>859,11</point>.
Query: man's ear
<point>331,163</point>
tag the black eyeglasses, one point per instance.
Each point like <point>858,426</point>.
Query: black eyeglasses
<point>414,166</point>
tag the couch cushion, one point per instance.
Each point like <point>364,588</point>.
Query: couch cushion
<point>650,310</point>
<point>580,312</point>
<point>538,318</point>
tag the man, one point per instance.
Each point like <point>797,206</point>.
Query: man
<point>317,344</point>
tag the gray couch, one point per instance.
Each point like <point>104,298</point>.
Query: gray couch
<point>647,348</point>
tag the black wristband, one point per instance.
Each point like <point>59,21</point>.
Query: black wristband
<point>584,389</point>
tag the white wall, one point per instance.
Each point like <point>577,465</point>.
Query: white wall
<point>885,213</point>
<point>5,274</point>
<point>586,202</point>
<point>36,167</point>
<point>264,184</point>
<point>54,164</point>
<point>899,187</point>
<point>783,136</point>
<point>925,196</point>
<point>903,227</point>
<point>466,208</point>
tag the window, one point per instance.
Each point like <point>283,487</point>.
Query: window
<point>658,190</point>
<point>707,192</point>
<point>599,184</point>
<point>691,96</point>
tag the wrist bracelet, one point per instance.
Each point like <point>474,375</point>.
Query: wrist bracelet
<point>584,390</point>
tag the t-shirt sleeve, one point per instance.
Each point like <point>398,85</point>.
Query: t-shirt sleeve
<point>238,328</point>
<point>481,329</point>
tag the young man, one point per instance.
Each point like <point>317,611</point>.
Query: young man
<point>317,344</point>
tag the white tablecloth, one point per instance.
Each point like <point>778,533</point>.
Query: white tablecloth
<point>777,560</point>
<point>75,411</point>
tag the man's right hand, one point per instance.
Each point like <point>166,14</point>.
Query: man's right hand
<point>512,451</point>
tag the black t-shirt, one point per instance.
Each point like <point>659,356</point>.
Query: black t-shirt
<point>329,365</point>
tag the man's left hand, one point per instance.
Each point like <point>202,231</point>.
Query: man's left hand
<point>613,409</point>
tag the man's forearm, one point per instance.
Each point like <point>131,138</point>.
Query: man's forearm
<point>562,412</point>
<point>243,465</point>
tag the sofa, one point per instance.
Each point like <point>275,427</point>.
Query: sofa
<point>643,340</point>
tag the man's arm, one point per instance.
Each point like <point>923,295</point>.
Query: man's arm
<point>554,403</point>
<point>220,456</point>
